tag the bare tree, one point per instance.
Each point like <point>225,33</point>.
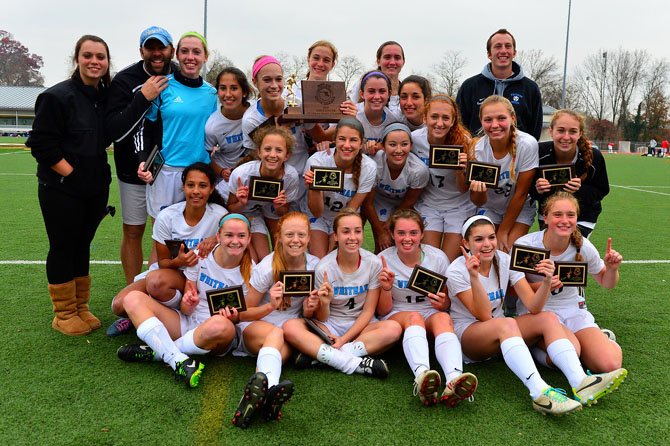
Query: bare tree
<point>348,69</point>
<point>626,73</point>
<point>545,72</point>
<point>215,64</point>
<point>448,72</point>
<point>293,64</point>
<point>655,101</point>
<point>592,77</point>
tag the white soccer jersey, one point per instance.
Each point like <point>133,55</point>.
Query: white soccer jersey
<point>442,190</point>
<point>350,290</point>
<point>227,135</point>
<point>458,280</point>
<point>565,297</point>
<point>374,132</point>
<point>254,117</point>
<point>405,299</point>
<point>209,275</point>
<point>262,281</point>
<point>335,201</point>
<point>526,159</point>
<point>390,192</point>
<point>170,224</point>
<point>255,207</point>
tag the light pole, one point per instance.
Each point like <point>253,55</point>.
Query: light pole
<point>565,62</point>
<point>204,66</point>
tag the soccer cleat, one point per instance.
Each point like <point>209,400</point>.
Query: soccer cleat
<point>609,333</point>
<point>252,401</point>
<point>190,371</point>
<point>427,385</point>
<point>275,398</point>
<point>120,327</point>
<point>303,361</point>
<point>458,389</point>
<point>594,387</point>
<point>553,401</point>
<point>135,353</point>
<point>373,367</point>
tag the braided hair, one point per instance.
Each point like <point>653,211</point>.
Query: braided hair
<point>583,143</point>
<point>495,99</point>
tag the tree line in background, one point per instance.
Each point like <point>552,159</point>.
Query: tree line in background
<point>624,93</point>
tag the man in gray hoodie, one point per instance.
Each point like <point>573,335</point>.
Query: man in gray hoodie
<point>503,77</point>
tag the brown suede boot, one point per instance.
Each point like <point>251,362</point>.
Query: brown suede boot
<point>64,303</point>
<point>83,292</point>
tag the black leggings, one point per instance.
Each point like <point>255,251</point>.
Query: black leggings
<point>71,223</point>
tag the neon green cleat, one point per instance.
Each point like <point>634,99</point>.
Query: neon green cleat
<point>554,402</point>
<point>594,387</point>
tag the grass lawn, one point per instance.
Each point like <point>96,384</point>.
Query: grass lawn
<point>67,390</point>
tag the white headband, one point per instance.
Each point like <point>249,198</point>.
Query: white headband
<point>471,220</point>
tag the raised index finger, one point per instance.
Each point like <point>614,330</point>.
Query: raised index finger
<point>384,264</point>
<point>609,244</point>
<point>465,253</point>
<point>325,277</point>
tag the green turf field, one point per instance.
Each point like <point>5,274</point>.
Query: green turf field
<point>65,390</point>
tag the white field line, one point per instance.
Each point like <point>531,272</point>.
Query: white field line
<point>16,174</point>
<point>118,262</point>
<point>640,190</point>
<point>15,153</point>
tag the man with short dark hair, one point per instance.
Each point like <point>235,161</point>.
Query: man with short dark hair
<point>503,77</point>
<point>130,96</point>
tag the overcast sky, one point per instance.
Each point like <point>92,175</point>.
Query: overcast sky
<point>242,30</point>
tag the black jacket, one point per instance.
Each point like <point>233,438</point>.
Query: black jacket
<point>522,92</point>
<point>124,120</point>
<point>69,124</point>
<point>594,188</point>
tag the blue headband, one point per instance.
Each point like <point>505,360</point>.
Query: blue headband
<point>373,73</point>
<point>394,127</point>
<point>232,216</point>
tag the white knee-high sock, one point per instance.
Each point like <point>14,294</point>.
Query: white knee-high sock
<point>449,355</point>
<point>415,346</point>
<point>518,359</point>
<point>564,355</point>
<point>269,362</point>
<point>153,332</point>
<point>540,356</point>
<point>342,361</point>
<point>355,348</point>
<point>186,345</point>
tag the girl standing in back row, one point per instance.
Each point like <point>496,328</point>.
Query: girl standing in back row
<point>508,206</point>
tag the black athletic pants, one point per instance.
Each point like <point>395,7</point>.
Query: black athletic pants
<point>71,222</point>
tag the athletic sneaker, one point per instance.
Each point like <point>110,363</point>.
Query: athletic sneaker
<point>373,367</point>
<point>190,371</point>
<point>609,333</point>
<point>303,361</point>
<point>458,389</point>
<point>120,327</point>
<point>275,398</point>
<point>593,387</point>
<point>135,353</point>
<point>553,401</point>
<point>252,399</point>
<point>427,385</point>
